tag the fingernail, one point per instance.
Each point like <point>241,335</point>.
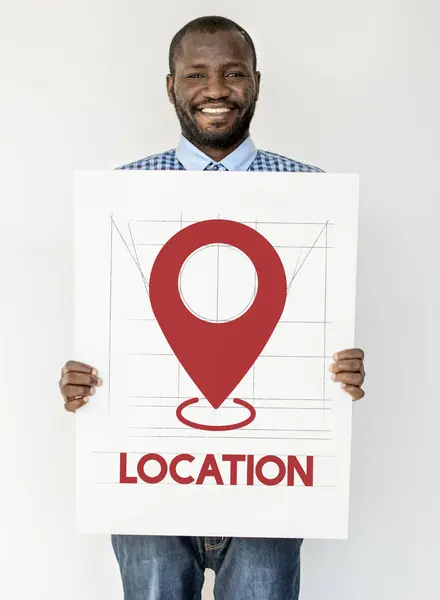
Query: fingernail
<point>100,382</point>
<point>335,356</point>
<point>94,372</point>
<point>343,385</point>
<point>334,376</point>
<point>86,400</point>
<point>330,368</point>
<point>92,390</point>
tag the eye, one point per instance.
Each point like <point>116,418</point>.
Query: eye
<point>235,74</point>
<point>194,76</point>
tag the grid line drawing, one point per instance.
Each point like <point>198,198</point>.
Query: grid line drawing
<point>244,485</point>
<point>261,355</point>
<point>243,222</point>
<point>281,321</point>
<point>218,280</point>
<point>131,254</point>
<point>303,255</point>
<point>244,398</point>
<point>276,247</point>
<point>178,361</point>
<point>225,407</point>
<point>146,284</point>
<point>257,454</point>
<point>152,428</point>
<point>324,378</point>
<point>110,315</point>
<point>295,274</point>
<point>232,437</point>
<point>255,290</point>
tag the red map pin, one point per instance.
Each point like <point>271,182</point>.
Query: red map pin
<point>217,356</point>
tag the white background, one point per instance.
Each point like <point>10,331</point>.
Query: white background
<point>350,86</point>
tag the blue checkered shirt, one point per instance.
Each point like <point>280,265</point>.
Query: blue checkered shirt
<point>245,158</point>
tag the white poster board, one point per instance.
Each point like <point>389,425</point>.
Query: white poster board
<point>159,448</point>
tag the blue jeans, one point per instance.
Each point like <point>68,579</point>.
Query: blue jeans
<point>172,568</point>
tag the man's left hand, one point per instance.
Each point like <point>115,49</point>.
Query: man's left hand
<point>348,368</point>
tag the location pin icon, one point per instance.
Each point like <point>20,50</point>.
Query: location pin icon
<point>217,356</point>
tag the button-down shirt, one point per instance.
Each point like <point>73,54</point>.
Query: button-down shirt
<point>187,157</point>
<point>194,159</point>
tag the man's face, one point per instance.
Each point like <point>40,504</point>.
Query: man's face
<point>214,88</point>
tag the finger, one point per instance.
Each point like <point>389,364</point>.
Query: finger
<point>349,354</point>
<point>355,392</point>
<point>74,365</point>
<point>353,366</point>
<point>74,378</point>
<point>75,391</point>
<point>74,404</point>
<point>349,378</point>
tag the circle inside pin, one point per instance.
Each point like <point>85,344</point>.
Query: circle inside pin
<point>218,283</point>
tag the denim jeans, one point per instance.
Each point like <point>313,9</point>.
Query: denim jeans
<point>172,568</point>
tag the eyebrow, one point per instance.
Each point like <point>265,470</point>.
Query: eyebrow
<point>196,66</point>
<point>227,65</point>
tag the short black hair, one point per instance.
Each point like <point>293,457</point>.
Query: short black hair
<point>208,25</point>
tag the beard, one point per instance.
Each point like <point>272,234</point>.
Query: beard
<point>210,138</point>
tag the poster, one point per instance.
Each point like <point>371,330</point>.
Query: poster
<point>212,310</point>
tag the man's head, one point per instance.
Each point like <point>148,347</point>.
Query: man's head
<point>213,82</point>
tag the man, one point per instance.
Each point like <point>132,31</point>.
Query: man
<point>213,85</point>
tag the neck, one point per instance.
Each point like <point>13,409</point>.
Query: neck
<point>218,154</point>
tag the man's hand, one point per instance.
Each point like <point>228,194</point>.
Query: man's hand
<point>348,368</point>
<point>78,382</point>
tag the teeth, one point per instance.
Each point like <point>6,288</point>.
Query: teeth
<point>215,110</point>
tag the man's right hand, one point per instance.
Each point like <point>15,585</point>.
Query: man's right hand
<point>78,382</point>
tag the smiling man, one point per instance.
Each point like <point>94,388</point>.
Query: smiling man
<point>213,85</point>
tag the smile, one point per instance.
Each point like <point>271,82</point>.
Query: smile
<point>215,111</point>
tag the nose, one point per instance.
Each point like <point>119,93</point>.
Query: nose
<point>216,87</point>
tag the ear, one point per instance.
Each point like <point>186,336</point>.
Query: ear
<point>170,85</point>
<point>258,80</point>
